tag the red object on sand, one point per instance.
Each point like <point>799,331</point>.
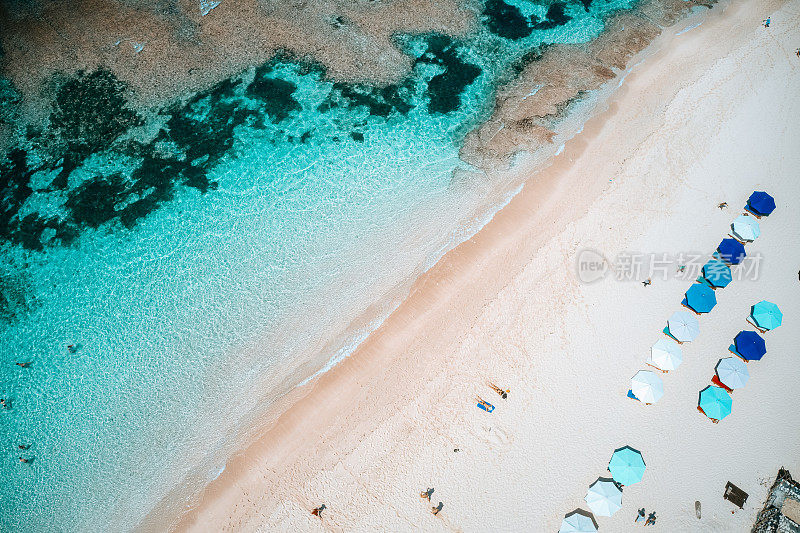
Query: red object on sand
<point>715,380</point>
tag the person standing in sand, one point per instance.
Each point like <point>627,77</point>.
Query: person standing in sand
<point>640,515</point>
<point>435,510</point>
<point>426,494</point>
<point>318,510</point>
<point>651,519</point>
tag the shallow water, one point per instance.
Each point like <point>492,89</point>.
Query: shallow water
<point>204,259</point>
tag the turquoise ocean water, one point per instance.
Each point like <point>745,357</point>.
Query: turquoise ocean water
<point>168,276</point>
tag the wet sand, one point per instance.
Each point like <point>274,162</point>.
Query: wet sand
<point>707,117</point>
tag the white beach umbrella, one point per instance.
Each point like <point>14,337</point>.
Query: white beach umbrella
<point>683,326</point>
<point>746,228</point>
<point>732,372</point>
<point>647,387</point>
<point>665,354</point>
<point>576,522</point>
<point>603,497</point>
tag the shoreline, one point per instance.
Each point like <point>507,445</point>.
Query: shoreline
<point>456,270</point>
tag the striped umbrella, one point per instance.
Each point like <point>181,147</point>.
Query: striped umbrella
<point>604,497</point>
<point>626,466</point>
<point>746,228</point>
<point>715,402</point>
<point>732,372</point>
<point>683,326</point>
<point>766,315</point>
<point>665,355</point>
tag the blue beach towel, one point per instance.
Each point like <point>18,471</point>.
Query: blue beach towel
<point>488,410</point>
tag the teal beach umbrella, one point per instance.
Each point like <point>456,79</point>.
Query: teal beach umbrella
<point>717,273</point>
<point>626,466</point>
<point>715,402</point>
<point>701,298</point>
<point>766,315</point>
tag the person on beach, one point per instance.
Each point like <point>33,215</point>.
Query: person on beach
<point>435,510</point>
<point>426,494</point>
<point>722,205</point>
<point>640,515</point>
<point>647,282</point>
<point>318,510</point>
<point>503,393</point>
<point>484,404</point>
<point>766,22</point>
<point>651,519</point>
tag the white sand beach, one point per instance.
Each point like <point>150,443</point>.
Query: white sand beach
<point>709,115</point>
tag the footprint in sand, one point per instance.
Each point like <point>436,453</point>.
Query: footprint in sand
<point>497,437</point>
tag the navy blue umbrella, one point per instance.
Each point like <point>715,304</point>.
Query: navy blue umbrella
<point>750,345</point>
<point>761,203</point>
<point>731,251</point>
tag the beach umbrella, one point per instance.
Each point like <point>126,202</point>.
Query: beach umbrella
<point>715,402</point>
<point>717,273</point>
<point>683,326</point>
<point>647,387</point>
<point>750,345</point>
<point>701,298</point>
<point>577,522</point>
<point>731,251</point>
<point>746,228</point>
<point>766,315</point>
<point>604,497</point>
<point>626,466</point>
<point>761,203</point>
<point>665,355</point>
<point>732,372</point>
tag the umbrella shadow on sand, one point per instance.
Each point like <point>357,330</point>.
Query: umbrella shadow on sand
<point>581,513</point>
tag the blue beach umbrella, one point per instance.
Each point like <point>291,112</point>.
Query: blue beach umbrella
<point>604,497</point>
<point>647,387</point>
<point>761,203</point>
<point>717,273</point>
<point>731,251</point>
<point>732,372</point>
<point>746,228</point>
<point>665,355</point>
<point>750,345</point>
<point>683,326</point>
<point>766,315</point>
<point>577,521</point>
<point>701,298</point>
<point>715,402</point>
<point>626,466</point>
